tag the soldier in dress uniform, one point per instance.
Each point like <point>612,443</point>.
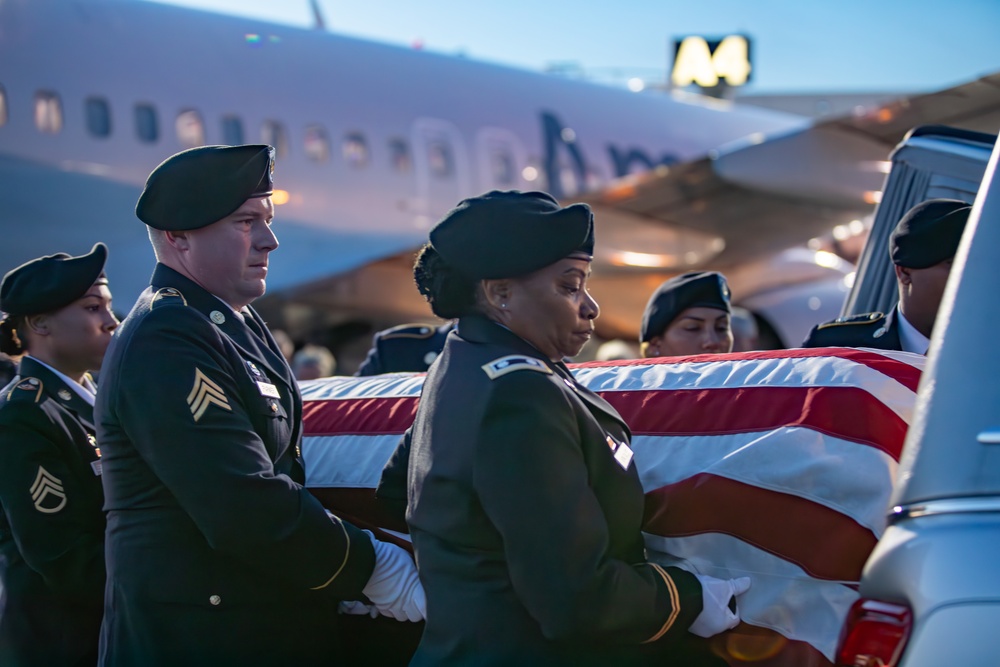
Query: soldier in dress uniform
<point>922,247</point>
<point>688,314</point>
<point>524,504</point>
<point>52,525</point>
<point>407,348</point>
<point>216,554</point>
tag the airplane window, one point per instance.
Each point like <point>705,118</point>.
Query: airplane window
<point>440,159</point>
<point>356,150</point>
<point>3,106</point>
<point>232,130</point>
<point>98,115</point>
<point>147,125</point>
<point>503,168</point>
<point>399,153</point>
<point>190,129</point>
<point>272,132</point>
<point>48,112</point>
<point>317,144</point>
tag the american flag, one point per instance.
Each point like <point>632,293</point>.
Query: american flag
<point>775,465</point>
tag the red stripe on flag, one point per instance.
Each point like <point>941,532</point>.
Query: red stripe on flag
<point>905,374</point>
<point>358,416</point>
<point>842,412</point>
<point>823,542</point>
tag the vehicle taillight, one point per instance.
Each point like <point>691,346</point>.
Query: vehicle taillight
<point>874,634</point>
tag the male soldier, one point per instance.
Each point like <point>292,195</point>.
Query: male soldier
<point>408,348</point>
<point>922,247</point>
<point>216,554</point>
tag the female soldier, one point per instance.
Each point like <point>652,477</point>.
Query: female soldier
<point>524,504</point>
<point>688,314</point>
<point>58,312</point>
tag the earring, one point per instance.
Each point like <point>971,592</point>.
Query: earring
<point>503,305</point>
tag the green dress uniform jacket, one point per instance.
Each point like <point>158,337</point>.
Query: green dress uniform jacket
<point>52,524</point>
<point>875,330</point>
<point>216,553</point>
<point>525,523</point>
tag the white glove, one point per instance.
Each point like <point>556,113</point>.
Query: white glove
<point>394,588</point>
<point>716,615</point>
<point>355,608</point>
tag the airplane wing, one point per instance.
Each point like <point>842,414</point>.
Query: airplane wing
<point>768,192</point>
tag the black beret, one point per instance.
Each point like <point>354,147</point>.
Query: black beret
<point>929,233</point>
<point>49,283</point>
<point>199,186</point>
<point>706,289</point>
<point>507,234</point>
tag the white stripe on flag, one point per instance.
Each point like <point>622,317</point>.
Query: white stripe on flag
<point>347,461</point>
<point>783,372</point>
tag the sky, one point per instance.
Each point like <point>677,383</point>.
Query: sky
<point>797,45</point>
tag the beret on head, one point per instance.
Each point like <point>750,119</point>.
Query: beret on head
<point>199,186</point>
<point>929,233</point>
<point>706,289</point>
<point>508,234</point>
<point>49,283</point>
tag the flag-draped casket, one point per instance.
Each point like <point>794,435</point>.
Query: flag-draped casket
<point>775,465</point>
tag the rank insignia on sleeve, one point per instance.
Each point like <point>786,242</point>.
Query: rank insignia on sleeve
<point>514,362</point>
<point>47,492</point>
<point>205,393</point>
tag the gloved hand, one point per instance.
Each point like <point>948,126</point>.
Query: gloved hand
<point>355,608</point>
<point>394,588</point>
<point>716,614</point>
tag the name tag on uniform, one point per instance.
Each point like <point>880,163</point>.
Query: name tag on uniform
<point>623,455</point>
<point>268,390</point>
<point>96,465</point>
<point>622,452</point>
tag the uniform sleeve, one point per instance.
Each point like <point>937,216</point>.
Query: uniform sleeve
<point>392,487</point>
<point>532,480</point>
<point>812,338</point>
<point>50,520</point>
<point>178,400</point>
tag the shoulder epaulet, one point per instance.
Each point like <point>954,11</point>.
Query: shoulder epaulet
<point>25,389</point>
<point>866,318</point>
<point>416,331</point>
<point>168,296</point>
<point>514,362</point>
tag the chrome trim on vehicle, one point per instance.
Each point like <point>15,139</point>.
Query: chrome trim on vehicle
<point>951,506</point>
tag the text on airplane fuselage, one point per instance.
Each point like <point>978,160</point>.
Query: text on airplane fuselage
<point>558,141</point>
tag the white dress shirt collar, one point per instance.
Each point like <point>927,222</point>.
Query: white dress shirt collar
<point>87,390</point>
<point>910,339</point>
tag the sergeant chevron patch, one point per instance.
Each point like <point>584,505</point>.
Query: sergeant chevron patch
<point>205,393</point>
<point>47,492</point>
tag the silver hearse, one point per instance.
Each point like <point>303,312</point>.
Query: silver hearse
<point>930,591</point>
